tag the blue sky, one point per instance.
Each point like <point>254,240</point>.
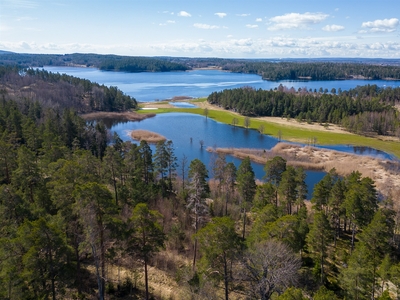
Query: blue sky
<point>206,28</point>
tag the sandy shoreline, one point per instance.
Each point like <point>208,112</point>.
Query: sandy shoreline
<point>386,174</point>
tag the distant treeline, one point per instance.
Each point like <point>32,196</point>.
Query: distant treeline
<point>367,109</point>
<point>315,70</point>
<point>62,91</point>
<point>289,69</point>
<point>103,62</point>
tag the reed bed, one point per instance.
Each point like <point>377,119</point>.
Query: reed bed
<point>386,174</point>
<point>127,115</point>
<point>148,136</point>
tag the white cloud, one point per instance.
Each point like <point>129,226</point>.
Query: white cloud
<point>184,14</point>
<point>333,28</point>
<point>259,20</point>
<point>205,26</point>
<point>243,15</point>
<point>251,26</point>
<point>296,20</point>
<point>168,22</point>
<point>229,47</point>
<point>220,14</point>
<point>385,25</point>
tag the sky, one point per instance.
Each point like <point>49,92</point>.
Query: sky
<point>203,28</point>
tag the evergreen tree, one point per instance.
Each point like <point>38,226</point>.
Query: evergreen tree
<point>148,236</point>
<point>220,246</point>
<point>318,240</point>
<point>246,185</point>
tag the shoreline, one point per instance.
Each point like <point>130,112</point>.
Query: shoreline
<point>127,115</point>
<point>385,173</point>
<point>287,129</point>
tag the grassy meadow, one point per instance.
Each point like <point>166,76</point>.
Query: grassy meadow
<point>289,132</point>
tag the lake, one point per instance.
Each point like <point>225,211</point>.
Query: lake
<point>146,87</point>
<point>187,130</point>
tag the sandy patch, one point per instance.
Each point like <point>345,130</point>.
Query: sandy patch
<point>148,136</point>
<point>385,173</point>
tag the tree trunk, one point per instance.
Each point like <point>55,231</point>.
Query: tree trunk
<point>353,233</point>
<point>194,255</point>
<point>244,223</point>
<point>146,280</point>
<point>226,281</point>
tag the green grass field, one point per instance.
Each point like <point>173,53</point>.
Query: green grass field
<point>290,132</point>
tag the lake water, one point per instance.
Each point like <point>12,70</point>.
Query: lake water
<point>187,130</point>
<point>145,87</point>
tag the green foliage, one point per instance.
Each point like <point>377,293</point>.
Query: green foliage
<point>318,239</point>
<point>220,246</point>
<point>292,294</point>
<point>51,90</point>
<point>356,109</point>
<point>324,294</point>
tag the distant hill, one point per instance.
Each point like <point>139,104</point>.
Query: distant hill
<point>61,91</point>
<point>103,62</point>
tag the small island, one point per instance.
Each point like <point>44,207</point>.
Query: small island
<point>148,136</point>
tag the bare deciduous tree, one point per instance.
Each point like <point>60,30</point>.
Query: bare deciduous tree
<point>235,122</point>
<point>269,267</point>
<point>247,122</point>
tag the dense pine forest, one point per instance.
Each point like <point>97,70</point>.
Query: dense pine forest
<point>315,70</point>
<point>85,215</point>
<point>103,62</point>
<point>62,91</point>
<point>363,110</point>
<point>77,204</point>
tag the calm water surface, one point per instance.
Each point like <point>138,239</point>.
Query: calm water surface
<point>187,130</point>
<point>149,86</point>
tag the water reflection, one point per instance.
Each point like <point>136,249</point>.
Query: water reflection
<point>187,131</point>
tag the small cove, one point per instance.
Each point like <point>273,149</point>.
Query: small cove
<point>187,130</point>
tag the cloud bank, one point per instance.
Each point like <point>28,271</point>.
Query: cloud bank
<point>385,25</point>
<point>333,28</point>
<point>296,20</point>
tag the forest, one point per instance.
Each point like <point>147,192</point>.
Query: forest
<point>62,91</point>
<point>315,70</point>
<point>287,69</point>
<point>86,215</point>
<point>103,62</point>
<point>364,110</point>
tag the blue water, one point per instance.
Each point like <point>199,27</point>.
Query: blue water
<point>183,104</point>
<point>150,86</point>
<point>187,130</point>
<point>361,150</point>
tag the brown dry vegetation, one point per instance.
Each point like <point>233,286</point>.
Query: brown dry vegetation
<point>386,174</point>
<point>128,115</point>
<point>148,136</point>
